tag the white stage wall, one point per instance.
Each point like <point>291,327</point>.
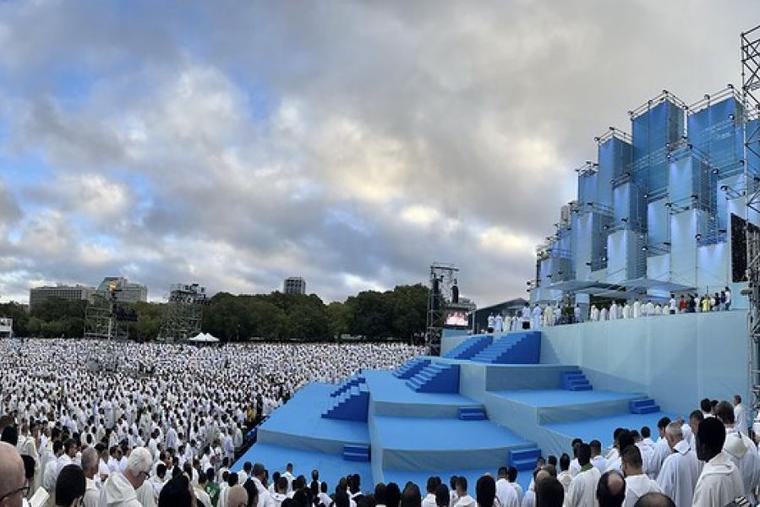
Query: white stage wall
<point>677,360</point>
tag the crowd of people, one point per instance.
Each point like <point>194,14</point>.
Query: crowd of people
<point>554,314</point>
<point>708,461</point>
<point>183,405</point>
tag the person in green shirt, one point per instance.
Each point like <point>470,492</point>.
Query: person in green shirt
<point>212,488</point>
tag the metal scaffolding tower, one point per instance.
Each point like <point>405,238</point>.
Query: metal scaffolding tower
<point>750,58</point>
<point>442,287</point>
<point>184,311</point>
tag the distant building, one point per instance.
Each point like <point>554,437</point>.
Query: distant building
<point>125,291</point>
<point>39,295</point>
<point>6,327</point>
<point>294,285</point>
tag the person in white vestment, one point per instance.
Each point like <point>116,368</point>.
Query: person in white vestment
<point>680,470</point>
<point>741,449</point>
<point>636,309</point>
<point>463,499</point>
<point>582,489</point>
<point>603,313</point>
<point>120,490</point>
<point>613,311</point>
<point>525,315</point>
<point>564,477</point>
<point>740,415</point>
<point>720,482</point>
<point>498,324</point>
<point>594,314</point>
<point>535,317</point>
<point>90,468</point>
<point>505,491</point>
<point>637,484</point>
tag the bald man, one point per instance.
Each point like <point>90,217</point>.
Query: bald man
<point>237,497</point>
<point>12,480</point>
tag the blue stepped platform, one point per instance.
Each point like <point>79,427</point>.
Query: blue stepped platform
<point>523,347</point>
<point>472,414</point>
<point>575,381</point>
<point>411,367</point>
<point>348,384</point>
<point>524,459</point>
<point>470,347</point>
<point>646,406</point>
<point>356,453</point>
<point>436,378</point>
<point>350,405</point>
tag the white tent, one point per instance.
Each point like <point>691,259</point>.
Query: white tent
<point>203,338</point>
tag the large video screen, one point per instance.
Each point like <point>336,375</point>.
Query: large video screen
<point>739,247</point>
<point>456,318</point>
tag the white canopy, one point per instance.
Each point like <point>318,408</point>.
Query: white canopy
<point>203,338</point>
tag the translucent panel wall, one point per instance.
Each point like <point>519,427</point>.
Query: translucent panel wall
<point>614,158</point>
<point>624,252</point>
<point>654,130</point>
<point>629,206</point>
<point>658,223</point>
<point>716,132</point>
<point>587,188</point>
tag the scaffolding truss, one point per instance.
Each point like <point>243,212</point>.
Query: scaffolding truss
<point>184,313</point>
<point>442,289</point>
<point>750,62</point>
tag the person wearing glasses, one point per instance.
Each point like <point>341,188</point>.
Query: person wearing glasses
<point>13,486</point>
<point>120,490</point>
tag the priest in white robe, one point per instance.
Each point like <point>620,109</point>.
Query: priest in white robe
<point>720,482</point>
<point>582,489</point>
<point>535,317</point>
<point>680,470</point>
<point>636,309</point>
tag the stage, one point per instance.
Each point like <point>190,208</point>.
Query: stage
<point>495,401</point>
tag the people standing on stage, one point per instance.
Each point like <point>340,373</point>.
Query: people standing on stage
<point>526,316</point>
<point>603,313</point>
<point>535,317</point>
<point>627,311</point>
<point>636,309</point>
<point>491,322</point>
<point>613,311</point>
<point>649,309</point>
<point>498,322</point>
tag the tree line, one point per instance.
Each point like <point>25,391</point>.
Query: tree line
<point>398,313</point>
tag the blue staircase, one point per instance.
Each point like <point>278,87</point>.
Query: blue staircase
<point>350,405</point>
<point>356,452</point>
<point>575,381</point>
<point>524,459</point>
<point>348,384</point>
<point>411,368</point>
<point>643,406</point>
<point>523,347</point>
<point>436,378</point>
<point>469,347</point>
<point>472,414</point>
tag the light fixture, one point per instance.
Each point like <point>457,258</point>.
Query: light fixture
<point>666,243</point>
<point>644,248</point>
<point>724,188</point>
<point>698,236</point>
<point>715,171</point>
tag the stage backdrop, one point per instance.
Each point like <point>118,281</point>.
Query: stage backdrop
<point>677,360</point>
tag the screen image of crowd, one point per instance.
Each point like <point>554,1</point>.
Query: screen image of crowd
<point>73,436</point>
<point>559,313</point>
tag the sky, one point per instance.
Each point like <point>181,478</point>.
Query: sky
<point>234,144</point>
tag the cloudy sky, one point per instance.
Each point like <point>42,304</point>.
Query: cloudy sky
<point>351,143</point>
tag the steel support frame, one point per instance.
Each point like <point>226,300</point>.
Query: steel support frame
<point>437,300</point>
<point>750,71</point>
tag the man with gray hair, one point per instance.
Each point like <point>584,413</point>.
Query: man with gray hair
<point>681,469</point>
<point>120,488</point>
<point>90,468</point>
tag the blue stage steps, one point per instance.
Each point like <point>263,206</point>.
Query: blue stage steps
<point>354,452</point>
<point>348,384</point>
<point>575,381</point>
<point>523,347</point>
<point>472,414</point>
<point>411,368</point>
<point>643,406</point>
<point>350,405</point>
<point>469,347</point>
<point>524,459</point>
<point>436,378</point>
